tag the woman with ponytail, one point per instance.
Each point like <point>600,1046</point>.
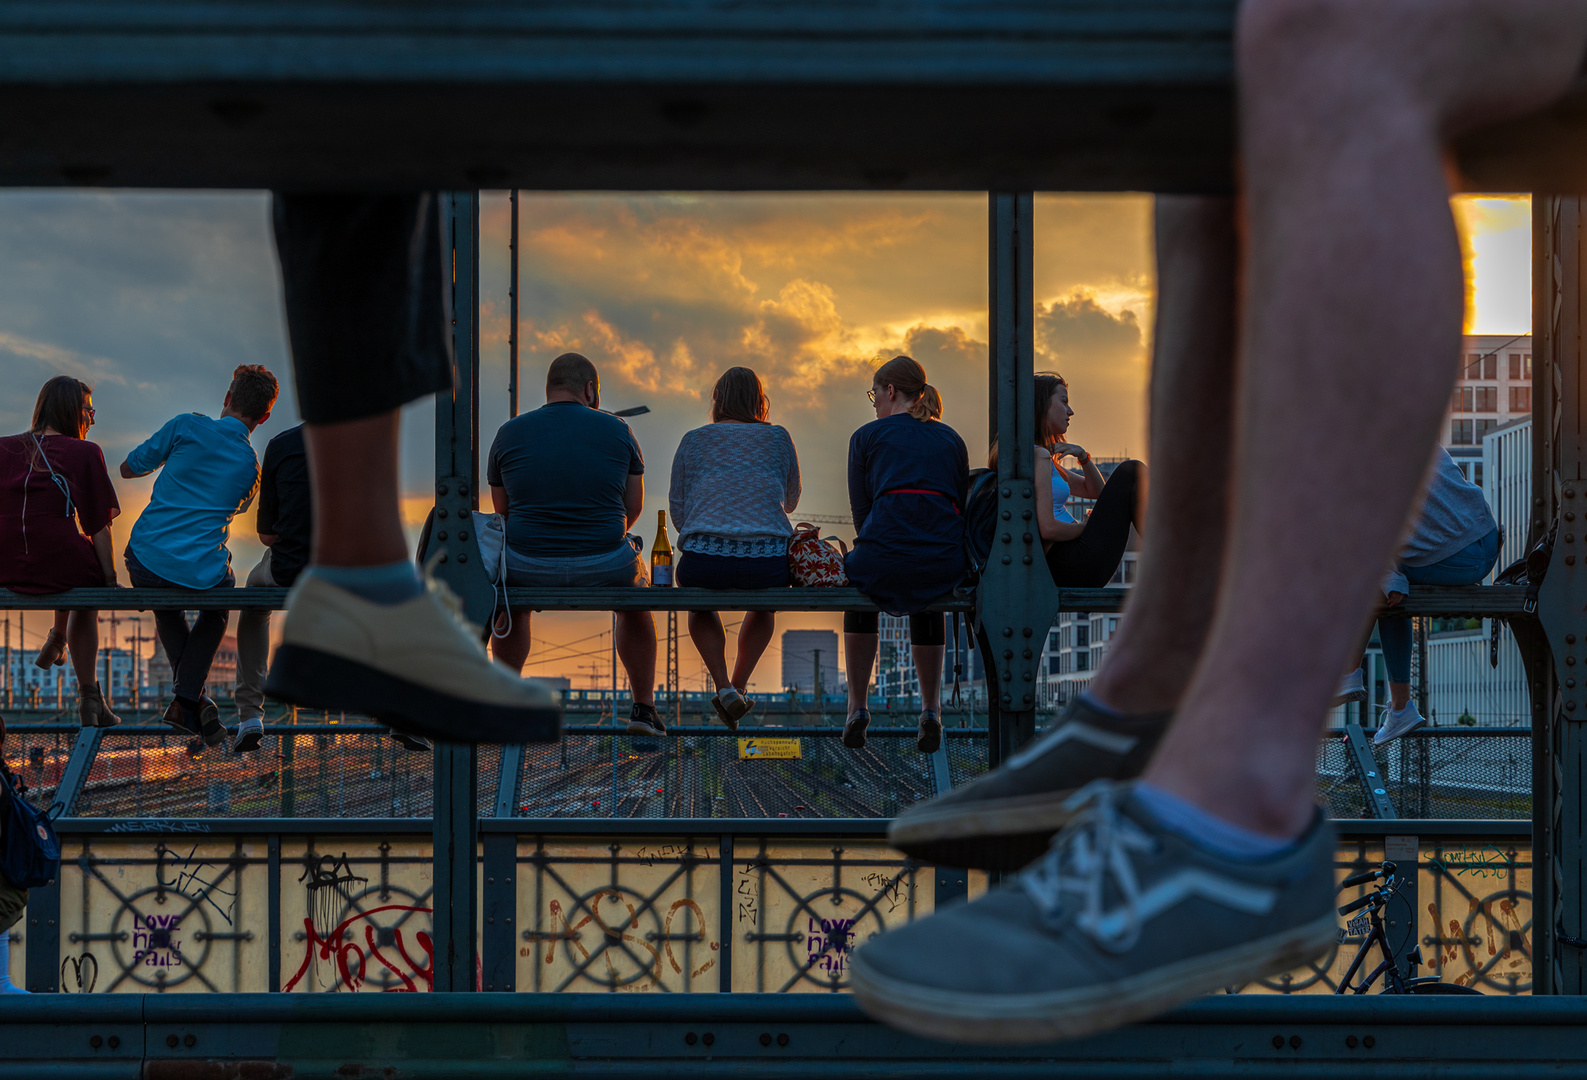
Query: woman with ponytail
<point>908,477</point>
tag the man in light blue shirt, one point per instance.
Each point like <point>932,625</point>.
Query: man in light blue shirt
<point>210,474</point>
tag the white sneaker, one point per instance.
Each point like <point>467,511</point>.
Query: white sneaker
<point>418,666</point>
<point>1353,687</point>
<point>1397,722</point>
<point>249,732</point>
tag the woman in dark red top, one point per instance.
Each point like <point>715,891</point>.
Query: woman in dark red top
<point>56,505</point>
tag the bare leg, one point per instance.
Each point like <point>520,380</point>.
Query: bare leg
<point>928,669</point>
<point>357,513</point>
<point>754,634</point>
<point>1344,107</point>
<point>1151,658</point>
<point>636,648</point>
<point>511,651</point>
<point>82,641</point>
<point>859,656</point>
<point>710,640</point>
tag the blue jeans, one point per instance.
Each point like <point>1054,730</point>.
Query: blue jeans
<point>1467,566</point>
<point>190,651</point>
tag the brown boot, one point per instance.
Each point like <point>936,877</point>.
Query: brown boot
<point>53,654</point>
<point>92,710</point>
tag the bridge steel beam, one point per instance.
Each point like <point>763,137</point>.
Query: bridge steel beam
<point>1556,648</point>
<point>456,551</point>
<point>1017,600</point>
<point>331,1036</point>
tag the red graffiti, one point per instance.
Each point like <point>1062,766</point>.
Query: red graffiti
<point>353,971</point>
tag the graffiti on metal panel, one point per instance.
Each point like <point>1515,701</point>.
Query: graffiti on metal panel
<point>1473,861</point>
<point>627,928</point>
<point>79,974</point>
<point>349,946</point>
<point>211,882</point>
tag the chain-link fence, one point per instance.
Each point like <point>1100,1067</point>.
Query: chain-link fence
<point>1450,773</point>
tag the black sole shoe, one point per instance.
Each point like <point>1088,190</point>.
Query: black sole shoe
<point>313,679</point>
<point>247,741</point>
<point>930,737</point>
<point>854,730</point>
<point>411,742</point>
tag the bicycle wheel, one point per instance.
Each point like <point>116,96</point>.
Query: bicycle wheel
<point>1443,988</point>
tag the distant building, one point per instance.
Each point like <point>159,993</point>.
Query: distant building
<point>33,687</point>
<point>1495,389</point>
<point>804,652</point>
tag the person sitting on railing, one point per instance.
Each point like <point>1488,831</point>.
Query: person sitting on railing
<point>570,480</point>
<point>734,483</point>
<point>209,475</point>
<point>56,506</point>
<point>1080,554</point>
<point>1455,541</point>
<point>908,477</point>
<point>13,901</point>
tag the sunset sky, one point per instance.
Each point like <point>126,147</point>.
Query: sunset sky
<point>153,298</point>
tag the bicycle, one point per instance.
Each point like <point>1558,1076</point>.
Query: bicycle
<point>1369,925</point>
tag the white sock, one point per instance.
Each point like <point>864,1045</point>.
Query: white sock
<point>6,985</point>
<point>1190,822</point>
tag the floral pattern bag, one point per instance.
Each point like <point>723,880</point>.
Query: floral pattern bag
<point>813,561</point>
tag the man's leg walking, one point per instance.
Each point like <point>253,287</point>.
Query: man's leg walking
<point>1352,258</point>
<point>367,284</point>
<point>1151,657</point>
<point>1004,820</point>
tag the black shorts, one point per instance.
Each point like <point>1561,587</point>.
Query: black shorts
<point>925,628</point>
<point>701,571</point>
<point>368,301</point>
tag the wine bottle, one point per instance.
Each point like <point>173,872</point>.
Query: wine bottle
<point>661,553</point>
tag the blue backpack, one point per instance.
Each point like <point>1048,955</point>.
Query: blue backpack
<point>30,852</point>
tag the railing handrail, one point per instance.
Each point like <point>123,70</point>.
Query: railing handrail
<point>1470,601</point>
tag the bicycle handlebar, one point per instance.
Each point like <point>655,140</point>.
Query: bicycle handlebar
<point>1360,879</point>
<point>1356,905</point>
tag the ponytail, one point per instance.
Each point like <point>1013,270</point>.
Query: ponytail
<point>907,377</point>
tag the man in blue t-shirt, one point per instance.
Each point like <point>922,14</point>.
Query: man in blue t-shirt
<point>209,475</point>
<point>570,480</point>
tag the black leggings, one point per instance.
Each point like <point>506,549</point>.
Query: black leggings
<point>926,628</point>
<point>1090,560</point>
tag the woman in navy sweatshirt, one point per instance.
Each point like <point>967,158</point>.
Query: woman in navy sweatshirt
<point>908,477</point>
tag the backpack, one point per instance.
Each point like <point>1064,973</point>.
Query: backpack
<point>980,521</point>
<point>30,852</point>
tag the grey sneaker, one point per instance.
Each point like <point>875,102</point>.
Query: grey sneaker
<point>249,732</point>
<point>1003,820</point>
<point>929,736</point>
<point>1120,921</point>
<point>1397,723</point>
<point>1353,687</point>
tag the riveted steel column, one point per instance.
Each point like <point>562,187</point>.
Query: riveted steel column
<point>1559,490</point>
<point>455,827</point>
<point>1016,601</point>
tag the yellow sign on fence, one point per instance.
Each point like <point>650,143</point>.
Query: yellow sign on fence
<point>769,748</point>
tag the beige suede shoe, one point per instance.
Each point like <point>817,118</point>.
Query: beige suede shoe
<point>418,666</point>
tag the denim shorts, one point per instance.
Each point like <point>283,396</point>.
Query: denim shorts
<point>624,566</point>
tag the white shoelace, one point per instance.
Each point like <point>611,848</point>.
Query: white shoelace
<point>1096,844</point>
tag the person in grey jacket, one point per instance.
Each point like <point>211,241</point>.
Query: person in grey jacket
<point>1453,542</point>
<point>734,482</point>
